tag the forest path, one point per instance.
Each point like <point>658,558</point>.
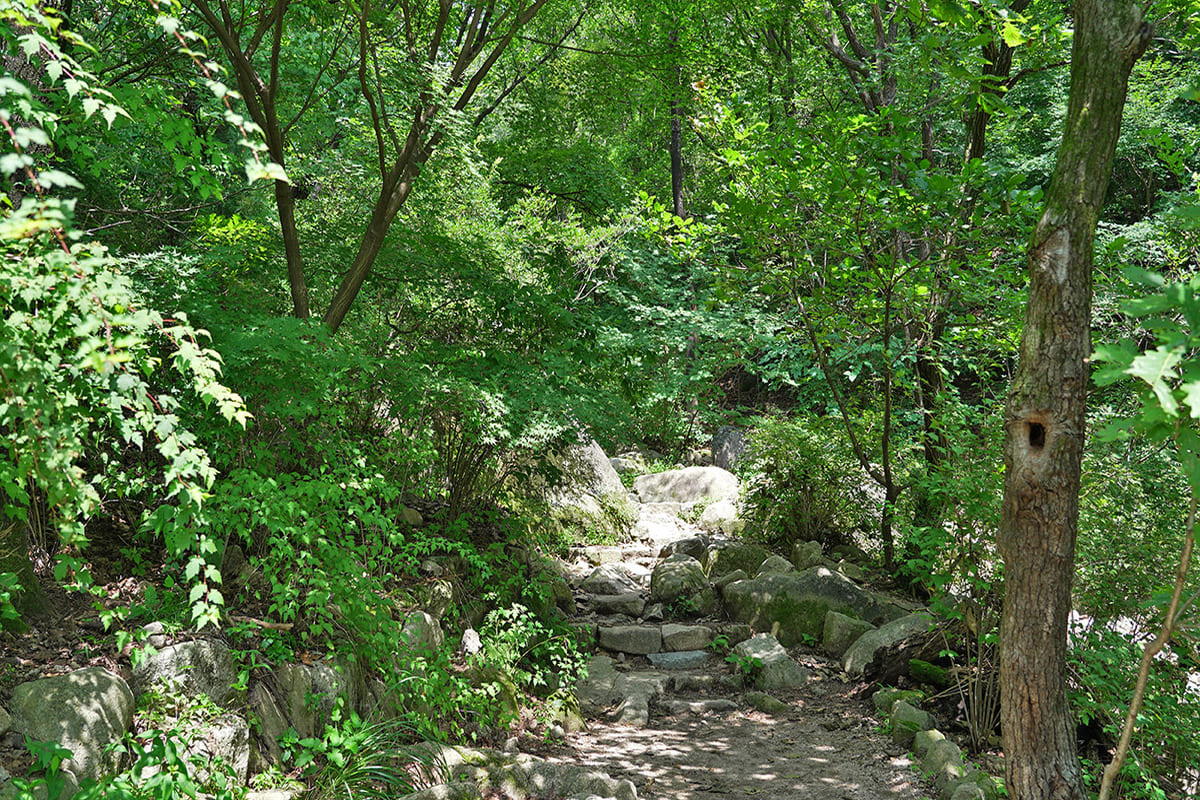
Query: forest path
<point>819,743</point>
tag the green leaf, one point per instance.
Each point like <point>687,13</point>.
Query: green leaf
<point>265,171</point>
<point>1114,360</point>
<point>54,177</point>
<point>1191,396</point>
<point>1144,277</point>
<point>1155,367</point>
<point>1012,34</point>
<point>1115,430</point>
<point>1144,306</point>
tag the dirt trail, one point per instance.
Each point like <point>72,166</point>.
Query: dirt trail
<point>825,745</point>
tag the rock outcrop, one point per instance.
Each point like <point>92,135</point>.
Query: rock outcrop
<point>793,607</point>
<point>83,711</point>
<point>687,485</point>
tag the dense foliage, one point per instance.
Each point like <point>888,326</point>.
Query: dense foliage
<point>504,188</point>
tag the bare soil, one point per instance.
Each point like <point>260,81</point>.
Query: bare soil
<point>825,746</point>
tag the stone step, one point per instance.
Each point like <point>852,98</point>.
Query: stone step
<point>641,638</point>
<point>718,706</point>
<point>681,659</point>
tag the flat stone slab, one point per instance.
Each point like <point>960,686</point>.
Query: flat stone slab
<point>761,701</point>
<point>686,485</point>
<point>627,603</point>
<point>524,777</point>
<point>631,692</point>
<point>705,683</point>
<point>720,706</point>
<point>611,579</point>
<point>636,640</point>
<point>686,637</point>
<point>637,689</point>
<point>681,659</point>
<point>603,554</point>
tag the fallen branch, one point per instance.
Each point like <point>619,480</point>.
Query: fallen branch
<point>274,626</point>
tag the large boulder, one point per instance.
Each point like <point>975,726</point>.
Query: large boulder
<point>84,711</point>
<point>770,664</point>
<point>296,686</point>
<point>220,746</point>
<point>422,632</point>
<point>273,723</point>
<point>863,651</point>
<point>586,469</point>
<point>203,666</point>
<point>611,579</point>
<point>806,555</point>
<point>734,556</point>
<point>629,462</point>
<point>842,631</point>
<point>728,446</point>
<point>776,565</point>
<point>793,607</point>
<point>688,485</point>
<point>680,580</point>
<point>722,517</point>
<point>694,546</point>
<point>590,497</point>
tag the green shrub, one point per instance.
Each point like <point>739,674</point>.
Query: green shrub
<point>1166,742</point>
<point>800,483</point>
<point>536,657</point>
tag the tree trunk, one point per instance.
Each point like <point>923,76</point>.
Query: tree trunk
<point>259,96</point>
<point>285,205</point>
<point>420,143</point>
<point>676,147</point>
<point>1045,415</point>
<point>386,208</point>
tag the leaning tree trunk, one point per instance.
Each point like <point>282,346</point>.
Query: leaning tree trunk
<point>1045,416</point>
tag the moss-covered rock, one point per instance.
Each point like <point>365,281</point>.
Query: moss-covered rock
<point>793,607</point>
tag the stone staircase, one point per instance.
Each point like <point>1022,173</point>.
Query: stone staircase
<point>652,654</point>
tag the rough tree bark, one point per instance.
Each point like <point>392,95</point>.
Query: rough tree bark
<point>1045,415</point>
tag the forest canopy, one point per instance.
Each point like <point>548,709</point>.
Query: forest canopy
<point>278,275</point>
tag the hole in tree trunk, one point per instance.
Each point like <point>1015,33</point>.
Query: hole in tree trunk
<point>1037,435</point>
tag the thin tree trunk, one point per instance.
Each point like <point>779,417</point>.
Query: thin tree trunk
<point>386,208</point>
<point>419,144</point>
<point>259,96</point>
<point>285,205</point>
<point>1045,415</point>
<point>676,146</point>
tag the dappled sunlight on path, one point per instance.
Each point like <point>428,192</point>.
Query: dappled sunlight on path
<point>745,754</point>
<point>820,743</point>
